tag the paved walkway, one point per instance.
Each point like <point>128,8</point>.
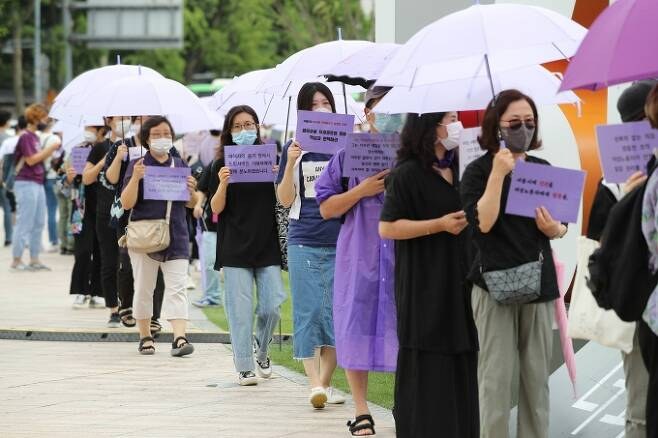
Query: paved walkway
<point>80,389</point>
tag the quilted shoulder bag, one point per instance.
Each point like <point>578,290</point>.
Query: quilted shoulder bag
<point>517,285</point>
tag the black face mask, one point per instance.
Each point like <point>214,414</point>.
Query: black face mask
<point>41,126</point>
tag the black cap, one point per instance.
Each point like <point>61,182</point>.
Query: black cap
<point>375,92</point>
<point>631,102</point>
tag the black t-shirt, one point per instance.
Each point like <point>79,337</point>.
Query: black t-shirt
<point>431,292</point>
<point>204,187</point>
<point>104,190</point>
<point>247,235</point>
<point>604,200</point>
<point>513,240</point>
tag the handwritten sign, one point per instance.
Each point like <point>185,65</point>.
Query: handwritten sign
<point>369,154</point>
<point>79,157</point>
<point>324,133</point>
<point>469,148</point>
<point>625,149</point>
<point>535,185</point>
<point>166,183</point>
<point>251,163</point>
<point>136,152</point>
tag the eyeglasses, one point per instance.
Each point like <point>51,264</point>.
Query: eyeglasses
<point>515,124</point>
<point>247,126</point>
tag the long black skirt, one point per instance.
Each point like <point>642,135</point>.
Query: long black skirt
<point>436,395</point>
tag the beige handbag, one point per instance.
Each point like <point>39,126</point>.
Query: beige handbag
<point>586,319</point>
<point>148,235</point>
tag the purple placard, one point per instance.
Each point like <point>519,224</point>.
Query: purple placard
<point>369,154</point>
<point>251,163</point>
<point>166,183</point>
<point>79,159</point>
<point>324,133</point>
<point>557,189</point>
<point>625,148</point>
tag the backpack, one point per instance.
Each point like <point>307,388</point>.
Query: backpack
<point>619,274</point>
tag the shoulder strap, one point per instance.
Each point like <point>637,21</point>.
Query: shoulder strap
<point>19,165</point>
<point>168,215</point>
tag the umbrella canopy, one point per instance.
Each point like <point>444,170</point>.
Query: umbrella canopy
<point>475,93</point>
<point>362,68</point>
<point>619,47</point>
<point>306,65</point>
<point>145,95</point>
<point>70,103</point>
<point>494,38</point>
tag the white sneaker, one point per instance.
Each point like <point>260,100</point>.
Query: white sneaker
<point>318,397</point>
<point>97,302</point>
<point>79,302</point>
<point>247,378</point>
<point>264,369</point>
<point>333,397</point>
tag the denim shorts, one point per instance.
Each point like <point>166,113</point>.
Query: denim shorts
<point>312,287</point>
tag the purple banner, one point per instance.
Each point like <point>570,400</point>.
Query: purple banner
<point>369,154</point>
<point>625,148</point>
<point>79,159</point>
<point>251,163</point>
<point>324,133</point>
<point>166,183</point>
<point>557,189</point>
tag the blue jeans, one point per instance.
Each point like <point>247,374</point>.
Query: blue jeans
<point>30,218</point>
<point>51,205</point>
<point>212,289</point>
<point>239,305</point>
<point>312,287</point>
<point>6,214</point>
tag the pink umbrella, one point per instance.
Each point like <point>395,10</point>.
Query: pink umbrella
<point>561,318</point>
<point>619,47</point>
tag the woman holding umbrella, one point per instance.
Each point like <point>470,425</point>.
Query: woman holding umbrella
<point>436,331</point>
<point>364,306</point>
<point>507,244</point>
<point>158,137</point>
<point>248,250</point>
<point>311,254</point>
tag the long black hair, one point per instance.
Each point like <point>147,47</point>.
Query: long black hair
<point>306,93</point>
<point>419,137</point>
<point>226,138</point>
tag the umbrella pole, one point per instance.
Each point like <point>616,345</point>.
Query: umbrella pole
<point>486,62</point>
<point>287,119</point>
<point>344,97</point>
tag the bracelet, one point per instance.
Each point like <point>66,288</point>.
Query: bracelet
<point>560,234</point>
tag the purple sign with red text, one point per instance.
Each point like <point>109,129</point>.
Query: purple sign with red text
<point>251,163</point>
<point>324,133</point>
<point>166,183</point>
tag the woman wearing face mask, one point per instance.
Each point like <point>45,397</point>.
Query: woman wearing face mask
<point>29,191</point>
<point>364,302</point>
<point>115,168</point>
<point>94,173</point>
<point>504,241</point>
<point>158,138</point>
<point>422,212</point>
<point>85,277</point>
<point>311,255</point>
<point>248,250</point>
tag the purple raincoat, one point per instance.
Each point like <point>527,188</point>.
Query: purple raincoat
<point>364,300</point>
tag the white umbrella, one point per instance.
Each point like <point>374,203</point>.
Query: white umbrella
<point>480,40</point>
<point>364,66</point>
<point>70,103</point>
<point>73,134</point>
<point>144,95</point>
<point>248,82</point>
<point>308,64</point>
<point>475,93</point>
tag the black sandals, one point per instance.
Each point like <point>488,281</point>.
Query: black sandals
<point>156,327</point>
<point>362,422</point>
<point>181,347</point>
<point>146,349</point>
<point>127,318</point>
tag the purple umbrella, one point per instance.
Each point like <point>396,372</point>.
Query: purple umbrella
<point>619,47</point>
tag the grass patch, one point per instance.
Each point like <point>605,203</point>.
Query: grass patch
<point>380,385</point>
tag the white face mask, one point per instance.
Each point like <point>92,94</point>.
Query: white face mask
<point>454,132</point>
<point>122,127</point>
<point>161,146</point>
<point>322,109</point>
<point>89,136</point>
<point>134,131</point>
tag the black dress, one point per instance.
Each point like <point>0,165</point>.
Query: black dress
<point>436,391</point>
